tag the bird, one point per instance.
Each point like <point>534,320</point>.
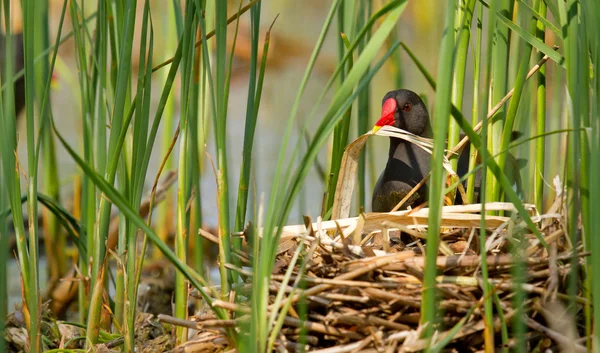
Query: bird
<point>18,65</point>
<point>407,163</point>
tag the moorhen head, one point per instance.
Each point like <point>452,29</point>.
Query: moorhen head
<point>405,110</point>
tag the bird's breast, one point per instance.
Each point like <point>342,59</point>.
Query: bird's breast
<point>406,167</point>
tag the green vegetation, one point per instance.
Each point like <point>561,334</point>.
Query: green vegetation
<point>128,116</point>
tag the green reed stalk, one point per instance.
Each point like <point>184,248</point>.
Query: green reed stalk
<point>475,103</point>
<point>236,244</point>
<point>51,182</point>
<point>88,199</point>
<point>591,14</point>
<point>342,130</point>
<point>363,102</point>
<point>93,148</point>
<point>3,249</point>
<point>126,18</point>
<point>251,117</point>
<point>584,100</point>
<point>121,270</point>
<point>488,333</point>
<point>220,123</point>
<point>541,117</point>
<point>463,19</point>
<point>54,241</point>
<point>440,129</point>
<point>102,48</point>
<point>137,170</point>
<point>500,51</point>
<point>396,62</point>
<point>210,101</point>
<point>184,179</point>
<point>577,94</point>
<point>194,162</point>
<point>205,110</point>
<point>578,167</point>
<point>8,178</point>
<point>519,86</point>
<point>167,45</point>
<point>34,303</point>
<point>46,138</point>
<point>489,337</point>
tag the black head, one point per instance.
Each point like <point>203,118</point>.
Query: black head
<point>404,109</point>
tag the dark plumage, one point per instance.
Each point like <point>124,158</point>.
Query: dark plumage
<point>408,164</point>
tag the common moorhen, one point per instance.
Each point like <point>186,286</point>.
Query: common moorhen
<point>18,64</point>
<point>408,164</point>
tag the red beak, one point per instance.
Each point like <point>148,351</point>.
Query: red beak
<point>387,114</point>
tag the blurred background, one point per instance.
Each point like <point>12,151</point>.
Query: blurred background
<point>292,41</point>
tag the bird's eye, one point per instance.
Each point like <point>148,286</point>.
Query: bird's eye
<point>407,107</point>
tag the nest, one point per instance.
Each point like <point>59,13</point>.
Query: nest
<point>360,283</point>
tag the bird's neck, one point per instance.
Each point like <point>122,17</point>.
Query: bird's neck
<point>396,144</point>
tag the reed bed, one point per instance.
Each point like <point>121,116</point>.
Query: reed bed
<point>131,262</point>
<point>365,296</point>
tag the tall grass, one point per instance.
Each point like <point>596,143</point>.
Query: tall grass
<point>280,203</point>
<point>120,126</point>
<point>12,178</point>
<point>462,31</point>
<point>3,257</point>
<point>590,12</point>
<point>499,77</point>
<point>576,56</point>
<point>436,197</point>
<point>185,169</point>
<point>541,115</point>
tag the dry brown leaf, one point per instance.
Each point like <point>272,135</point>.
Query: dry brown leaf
<point>347,177</point>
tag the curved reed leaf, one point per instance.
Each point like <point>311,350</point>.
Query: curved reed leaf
<point>541,17</point>
<point>531,39</point>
